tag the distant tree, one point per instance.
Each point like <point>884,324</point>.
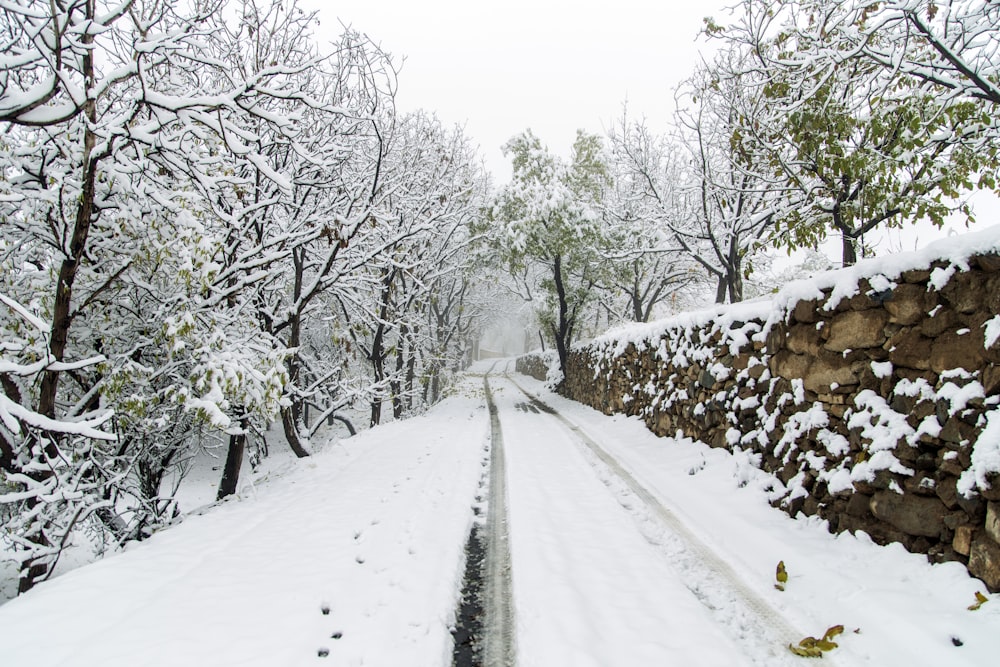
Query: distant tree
<point>648,269</point>
<point>432,189</point>
<point>549,216</point>
<point>711,193</point>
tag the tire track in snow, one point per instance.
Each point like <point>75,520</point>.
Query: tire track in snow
<point>498,643</point>
<point>716,585</point>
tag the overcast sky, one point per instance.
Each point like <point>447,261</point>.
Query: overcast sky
<point>552,65</point>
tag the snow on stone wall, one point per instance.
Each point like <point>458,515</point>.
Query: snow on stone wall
<point>871,393</point>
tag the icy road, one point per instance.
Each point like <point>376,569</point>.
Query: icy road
<point>609,547</point>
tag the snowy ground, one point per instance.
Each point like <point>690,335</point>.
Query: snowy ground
<point>905,611</point>
<point>372,529</point>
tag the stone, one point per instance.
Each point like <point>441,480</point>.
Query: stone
<point>909,304</point>
<point>942,320</point>
<point>916,276</point>
<point>992,490</point>
<point>787,364</point>
<point>914,515</point>
<point>953,520</point>
<point>964,291</point>
<point>803,339</point>
<point>947,491</point>
<point>706,379</point>
<point>741,361</point>
<point>880,532</point>
<point>951,350</point>
<point>857,329</point>
<point>942,553</point>
<point>989,262</point>
<point>962,542</point>
<point>838,411</point>
<point>984,562</point>
<point>992,354</point>
<point>903,404</point>
<point>993,521</point>
<point>909,349</point>
<point>857,505</point>
<point>956,431</point>
<point>822,374</point>
<point>806,312</point>
<point>775,339</point>
<point>951,467</point>
<point>992,290</point>
<point>921,486</point>
<point>810,506</point>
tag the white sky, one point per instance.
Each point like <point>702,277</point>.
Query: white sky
<point>552,65</point>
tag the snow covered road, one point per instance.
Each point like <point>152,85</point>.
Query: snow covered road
<point>626,550</point>
<point>575,548</point>
<point>897,608</point>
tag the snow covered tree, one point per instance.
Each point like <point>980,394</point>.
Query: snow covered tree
<point>948,48</point>
<point>549,216</point>
<point>125,125</point>
<point>649,268</point>
<point>882,111</point>
<point>709,191</point>
<point>432,190</point>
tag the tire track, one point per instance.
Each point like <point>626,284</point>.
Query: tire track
<point>716,585</point>
<point>498,643</point>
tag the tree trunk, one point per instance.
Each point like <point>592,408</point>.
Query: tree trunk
<point>289,424</point>
<point>395,386</point>
<point>291,414</point>
<point>435,382</point>
<point>234,461</point>
<point>722,288</point>
<point>411,377</point>
<point>562,328</point>
<point>736,287</point>
<point>850,252</point>
<point>378,369</point>
<point>34,570</point>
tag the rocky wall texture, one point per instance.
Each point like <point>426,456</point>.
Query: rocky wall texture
<point>873,400</point>
<point>537,365</point>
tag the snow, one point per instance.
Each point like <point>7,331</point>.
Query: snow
<point>992,334</point>
<point>610,571</point>
<point>985,458</point>
<point>905,609</point>
<point>373,528</point>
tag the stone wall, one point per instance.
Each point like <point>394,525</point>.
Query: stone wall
<point>536,365</point>
<point>872,397</point>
